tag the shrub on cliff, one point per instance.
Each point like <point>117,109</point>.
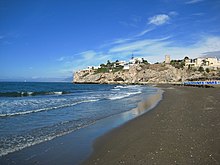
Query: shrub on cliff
<point>102,70</point>
<point>201,69</point>
<point>207,70</point>
<point>177,63</point>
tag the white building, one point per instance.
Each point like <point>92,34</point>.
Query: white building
<point>213,62</point>
<point>93,67</point>
<point>126,67</point>
<point>167,59</point>
<point>136,60</point>
<point>209,62</point>
<point>119,63</point>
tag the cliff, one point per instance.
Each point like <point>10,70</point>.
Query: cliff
<point>138,73</point>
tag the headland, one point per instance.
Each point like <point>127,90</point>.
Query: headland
<point>139,71</point>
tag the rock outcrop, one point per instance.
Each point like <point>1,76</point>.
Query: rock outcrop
<point>138,74</point>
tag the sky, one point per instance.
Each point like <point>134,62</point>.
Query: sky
<point>50,39</point>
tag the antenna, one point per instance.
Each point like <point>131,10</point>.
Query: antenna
<point>132,56</point>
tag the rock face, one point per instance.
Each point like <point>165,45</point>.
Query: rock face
<point>139,73</point>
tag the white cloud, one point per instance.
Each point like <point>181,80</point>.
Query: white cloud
<point>83,60</point>
<point>126,40</point>
<point>209,44</point>
<point>159,49</point>
<point>153,50</point>
<point>121,40</point>
<point>212,54</point>
<point>144,32</point>
<point>159,19</point>
<point>193,1</point>
<point>173,13</point>
<point>88,55</point>
<point>130,46</point>
<point>61,59</point>
<point>135,45</point>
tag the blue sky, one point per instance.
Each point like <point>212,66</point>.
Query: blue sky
<point>52,38</point>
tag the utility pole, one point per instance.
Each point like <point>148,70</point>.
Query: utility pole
<point>132,56</point>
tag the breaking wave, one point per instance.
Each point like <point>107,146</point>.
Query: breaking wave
<point>45,109</point>
<point>121,96</point>
<point>19,142</point>
<point>24,94</point>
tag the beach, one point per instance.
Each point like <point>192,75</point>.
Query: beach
<point>182,129</point>
<point>59,126</point>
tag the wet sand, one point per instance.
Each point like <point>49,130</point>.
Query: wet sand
<point>183,129</point>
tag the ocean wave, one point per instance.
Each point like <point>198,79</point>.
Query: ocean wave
<point>115,89</point>
<point>24,94</point>
<point>45,109</point>
<point>116,97</point>
<point>17,143</point>
<point>119,87</point>
<point>121,96</point>
<point>126,86</point>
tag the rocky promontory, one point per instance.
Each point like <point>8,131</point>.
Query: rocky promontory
<point>139,74</point>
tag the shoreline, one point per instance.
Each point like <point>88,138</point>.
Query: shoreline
<point>182,129</point>
<point>55,150</point>
<point>155,84</point>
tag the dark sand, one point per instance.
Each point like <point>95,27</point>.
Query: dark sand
<point>183,129</point>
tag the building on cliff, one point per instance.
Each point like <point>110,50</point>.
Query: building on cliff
<point>136,61</point>
<point>208,62</point>
<point>119,63</point>
<point>132,62</point>
<point>167,59</point>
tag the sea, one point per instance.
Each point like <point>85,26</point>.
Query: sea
<point>35,112</point>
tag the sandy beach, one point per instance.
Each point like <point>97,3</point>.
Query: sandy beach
<point>74,146</point>
<point>182,129</point>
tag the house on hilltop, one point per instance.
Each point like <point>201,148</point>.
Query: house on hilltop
<point>208,62</point>
<point>133,61</point>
